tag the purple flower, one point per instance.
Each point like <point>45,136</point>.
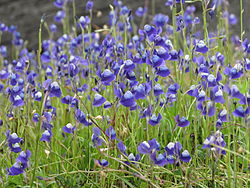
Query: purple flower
<point>170,148</point>
<point>211,109</point>
<point>81,117</point>
<point>110,132</point>
<point>128,99</point>
<point>158,90</point>
<point>107,104</point>
<point>201,96</point>
<point>107,76</point>
<point>59,3</point>
<point>235,72</point>
<point>38,96</point>
<point>147,147</point>
<point>103,163</point>
<point>122,147</point>
<point>129,65</point>
<point>20,165</point>
<point>4,74</point>
<point>13,142</point>
<point>201,47</point>
<point>98,100</point>
<point>172,89</point>
<point>35,117</point>
<point>223,115</point>
<point>55,90</point>
<point>73,69</point>
<point>69,128</point>
<point>150,30</point>
<point>84,21</point>
<point>217,95</point>
<point>67,99</point>
<point>157,61</point>
<point>160,20</point>
<point>17,101</point>
<point>46,136</point>
<point>185,156</point>
<point>232,19</point>
<point>53,28</point>
<point>162,53</point>
<point>45,57</point>
<point>181,122</point>
<point>240,112</point>
<point>97,141</point>
<point>133,159</point>
<point>89,5</point>
<point>60,15</point>
<point>174,153</point>
<point>160,160</point>
<point>140,11</point>
<point>193,91</point>
<point>211,80</point>
<point>162,71</point>
<point>154,120</point>
<point>213,141</point>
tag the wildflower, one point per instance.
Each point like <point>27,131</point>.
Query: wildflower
<point>223,115</point>
<point>107,76</point>
<point>122,147</point>
<point>129,65</point>
<point>46,136</point>
<point>4,74</point>
<point>154,120</point>
<point>149,30</point>
<point>162,71</point>
<point>172,89</point>
<point>213,141</point>
<point>22,162</point>
<point>140,12</point>
<point>128,99</point>
<point>132,159</point>
<point>160,20</point>
<point>107,104</point>
<point>234,72</point>
<point>89,5</point>
<point>103,162</point>
<point>181,122</point>
<point>147,147</point>
<point>69,128</point>
<point>160,160</point>
<point>232,19</point>
<point>201,47</point>
<point>156,61</point>
<point>55,90</point>
<point>60,15</point>
<point>84,21</point>
<point>98,100</point>
<point>174,153</point>
<point>158,90</point>
<point>59,3</point>
<point>53,28</point>
<point>240,112</point>
<point>97,141</point>
<point>81,117</point>
<point>35,117</point>
<point>13,142</point>
<point>110,132</point>
<point>185,156</point>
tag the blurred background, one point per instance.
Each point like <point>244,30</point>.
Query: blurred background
<point>26,14</point>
